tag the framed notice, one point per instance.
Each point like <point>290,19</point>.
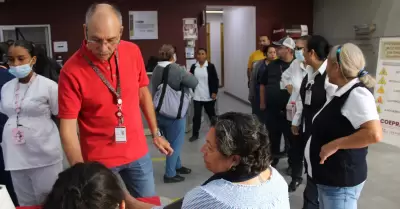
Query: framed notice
<point>190,31</point>
<point>387,89</point>
<point>143,25</point>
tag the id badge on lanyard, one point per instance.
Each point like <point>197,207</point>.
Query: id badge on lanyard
<point>120,129</point>
<point>308,93</point>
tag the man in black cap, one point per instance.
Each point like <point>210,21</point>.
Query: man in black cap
<point>274,96</point>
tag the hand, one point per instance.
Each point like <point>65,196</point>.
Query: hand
<point>262,106</point>
<point>295,130</point>
<point>214,96</point>
<point>163,145</point>
<point>328,150</point>
<point>289,89</point>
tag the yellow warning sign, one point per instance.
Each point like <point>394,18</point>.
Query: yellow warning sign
<point>382,81</point>
<point>379,100</point>
<point>383,72</point>
<point>378,109</point>
<point>381,90</point>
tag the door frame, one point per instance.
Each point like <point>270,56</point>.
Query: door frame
<point>12,27</point>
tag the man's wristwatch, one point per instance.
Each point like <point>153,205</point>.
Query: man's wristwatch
<point>156,134</point>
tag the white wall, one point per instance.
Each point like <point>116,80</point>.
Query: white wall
<point>239,43</point>
<point>215,21</point>
<point>335,20</point>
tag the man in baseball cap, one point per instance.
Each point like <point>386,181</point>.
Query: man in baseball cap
<point>286,42</point>
<point>274,97</point>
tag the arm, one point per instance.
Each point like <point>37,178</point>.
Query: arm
<point>69,105</point>
<point>249,66</point>
<point>188,79</point>
<point>369,133</point>
<point>361,111</point>
<point>263,84</point>
<point>216,80</point>
<point>147,107</point>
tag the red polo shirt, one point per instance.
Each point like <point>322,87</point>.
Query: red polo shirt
<point>83,96</point>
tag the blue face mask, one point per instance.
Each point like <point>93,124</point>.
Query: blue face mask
<point>299,55</point>
<point>20,71</point>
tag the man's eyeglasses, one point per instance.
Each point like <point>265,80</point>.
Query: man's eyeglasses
<point>110,42</point>
<point>299,48</point>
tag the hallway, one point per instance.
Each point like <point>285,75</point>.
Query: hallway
<point>380,191</point>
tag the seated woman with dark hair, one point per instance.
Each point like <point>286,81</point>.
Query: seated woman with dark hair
<point>237,152</point>
<point>88,186</point>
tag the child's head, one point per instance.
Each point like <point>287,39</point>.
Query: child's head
<point>86,186</point>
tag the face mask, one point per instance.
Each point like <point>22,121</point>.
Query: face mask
<point>299,55</point>
<point>175,58</point>
<point>20,71</point>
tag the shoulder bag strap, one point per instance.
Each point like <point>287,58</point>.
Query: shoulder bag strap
<point>179,116</point>
<point>164,81</point>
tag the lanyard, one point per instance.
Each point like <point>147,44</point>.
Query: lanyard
<point>18,107</point>
<point>116,92</point>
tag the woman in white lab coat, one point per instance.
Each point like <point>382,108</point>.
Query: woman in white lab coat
<point>31,143</point>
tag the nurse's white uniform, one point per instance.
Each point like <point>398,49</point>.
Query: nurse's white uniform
<point>35,163</point>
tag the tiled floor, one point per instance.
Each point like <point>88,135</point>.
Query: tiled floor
<point>381,190</point>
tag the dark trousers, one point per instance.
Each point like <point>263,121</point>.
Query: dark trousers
<point>310,195</point>
<point>209,107</point>
<point>277,125</point>
<point>296,156</point>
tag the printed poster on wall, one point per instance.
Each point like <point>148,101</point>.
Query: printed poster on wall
<point>143,25</point>
<point>387,89</point>
<point>190,29</point>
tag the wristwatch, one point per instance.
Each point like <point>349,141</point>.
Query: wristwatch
<point>156,134</point>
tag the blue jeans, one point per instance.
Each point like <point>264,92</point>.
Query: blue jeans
<point>339,197</point>
<point>138,177</point>
<point>174,131</point>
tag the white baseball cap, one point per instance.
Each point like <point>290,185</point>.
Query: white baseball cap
<point>287,41</point>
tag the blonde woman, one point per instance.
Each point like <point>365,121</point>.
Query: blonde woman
<point>342,130</point>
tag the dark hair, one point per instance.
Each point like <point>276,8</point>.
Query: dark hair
<point>243,134</point>
<point>43,62</point>
<point>320,45</point>
<point>3,53</point>
<point>305,37</point>
<point>166,52</point>
<point>266,48</point>
<point>202,49</point>
<point>85,185</point>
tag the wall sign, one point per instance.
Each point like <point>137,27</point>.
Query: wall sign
<point>143,25</point>
<point>387,89</point>
<point>190,31</point>
<point>60,46</point>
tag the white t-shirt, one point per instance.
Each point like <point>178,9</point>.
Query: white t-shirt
<point>359,108</point>
<point>42,145</point>
<point>202,92</point>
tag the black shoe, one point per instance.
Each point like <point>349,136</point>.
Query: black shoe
<point>294,185</point>
<point>184,170</point>
<point>193,138</point>
<point>174,179</point>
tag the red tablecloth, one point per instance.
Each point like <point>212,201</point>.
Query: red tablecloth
<point>151,200</point>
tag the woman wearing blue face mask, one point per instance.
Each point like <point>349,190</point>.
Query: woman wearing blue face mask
<point>31,143</point>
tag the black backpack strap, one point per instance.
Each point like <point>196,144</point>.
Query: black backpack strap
<point>179,116</point>
<point>192,68</point>
<point>165,82</point>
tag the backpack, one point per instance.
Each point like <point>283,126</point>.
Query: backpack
<point>169,102</point>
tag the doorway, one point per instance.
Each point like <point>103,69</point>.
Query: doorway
<point>38,34</point>
<point>215,43</point>
<point>230,53</point>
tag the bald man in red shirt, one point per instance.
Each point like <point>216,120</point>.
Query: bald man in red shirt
<point>103,86</point>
